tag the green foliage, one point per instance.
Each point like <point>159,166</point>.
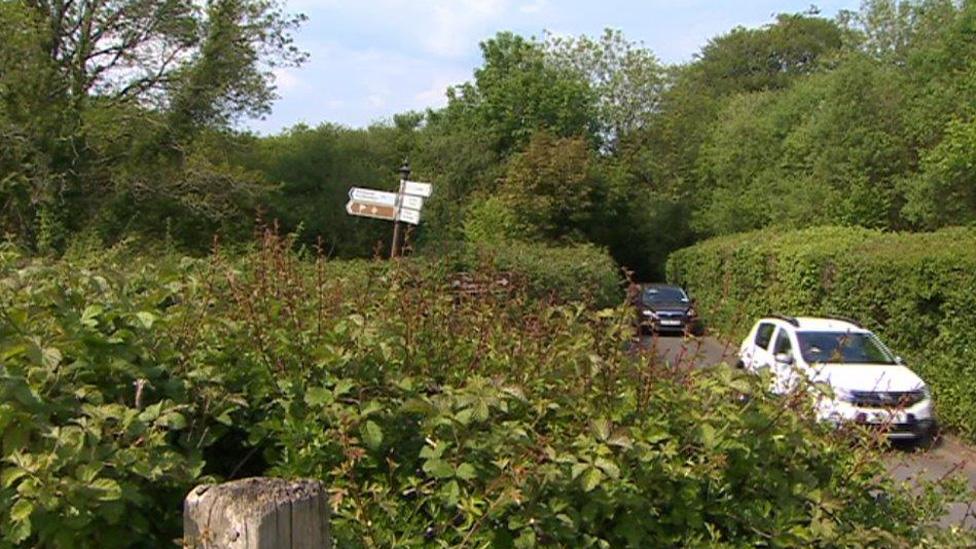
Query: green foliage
<point>945,190</point>
<point>580,273</point>
<point>104,104</point>
<point>516,92</point>
<point>626,77</point>
<point>551,188</point>
<point>314,169</point>
<point>433,415</point>
<point>107,402</point>
<point>492,221</point>
<point>748,60</point>
<point>914,290</point>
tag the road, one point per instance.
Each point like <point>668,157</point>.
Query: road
<point>906,463</point>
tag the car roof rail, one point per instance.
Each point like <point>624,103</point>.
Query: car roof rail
<point>847,319</point>
<point>790,319</point>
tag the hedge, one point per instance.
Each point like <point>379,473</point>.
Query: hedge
<point>581,273</point>
<point>917,291</point>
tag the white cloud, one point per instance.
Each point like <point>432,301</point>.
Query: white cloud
<point>435,95</point>
<point>534,7</point>
<point>456,25</point>
<point>287,80</point>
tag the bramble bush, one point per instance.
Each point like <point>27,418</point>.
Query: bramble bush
<point>432,416</point>
<point>914,290</point>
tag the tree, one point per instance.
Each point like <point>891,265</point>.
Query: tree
<point>747,60</point>
<point>516,92</point>
<point>551,188</point>
<point>114,95</point>
<point>944,192</point>
<point>626,77</point>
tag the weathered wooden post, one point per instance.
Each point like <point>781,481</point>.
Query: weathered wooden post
<point>257,513</point>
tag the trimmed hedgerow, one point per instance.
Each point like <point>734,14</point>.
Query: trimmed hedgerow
<point>918,291</point>
<point>579,273</point>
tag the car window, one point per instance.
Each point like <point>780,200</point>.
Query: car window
<point>842,348</point>
<point>654,296</point>
<point>783,345</point>
<point>764,333</point>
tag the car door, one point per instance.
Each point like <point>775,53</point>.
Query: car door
<point>785,371</point>
<point>757,355</point>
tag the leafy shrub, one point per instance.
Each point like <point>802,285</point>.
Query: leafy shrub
<point>915,290</point>
<point>500,419</point>
<point>431,415</point>
<point>581,272</point>
<point>105,405</point>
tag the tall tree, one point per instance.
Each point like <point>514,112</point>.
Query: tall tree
<point>626,78</point>
<point>166,69</point>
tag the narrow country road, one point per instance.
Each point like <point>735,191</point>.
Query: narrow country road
<point>906,463</point>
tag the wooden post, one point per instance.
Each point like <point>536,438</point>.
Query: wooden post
<point>395,248</point>
<point>257,513</point>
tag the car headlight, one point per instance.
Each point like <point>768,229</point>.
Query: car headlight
<point>843,395</point>
<point>691,312</point>
<point>650,313</point>
<point>926,392</point>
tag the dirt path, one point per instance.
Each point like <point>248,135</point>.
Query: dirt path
<point>906,463</point>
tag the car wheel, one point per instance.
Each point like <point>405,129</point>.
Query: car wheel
<point>930,439</point>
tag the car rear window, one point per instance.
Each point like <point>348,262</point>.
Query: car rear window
<point>763,334</point>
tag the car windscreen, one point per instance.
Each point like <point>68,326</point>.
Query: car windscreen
<point>842,348</point>
<point>653,296</point>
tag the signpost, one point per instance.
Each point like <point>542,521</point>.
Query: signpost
<point>404,205</point>
<point>412,202</point>
<point>376,211</point>
<point>415,188</point>
<point>409,216</point>
<point>370,196</point>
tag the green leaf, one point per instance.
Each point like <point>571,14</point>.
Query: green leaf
<point>342,387</point>
<point>708,435</point>
<point>51,357</point>
<point>21,510</point>
<point>372,435</point>
<point>10,475</point>
<point>146,319</point>
<point>89,316</point>
<point>319,396</point>
<point>526,539</point>
<point>466,471</point>
<point>601,428</point>
<point>20,532</point>
<point>608,467</point>
<point>109,489</point>
<point>173,420</point>
<point>591,478</point>
<point>438,468</point>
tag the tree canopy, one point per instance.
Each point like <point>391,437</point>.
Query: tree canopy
<point>118,117</point>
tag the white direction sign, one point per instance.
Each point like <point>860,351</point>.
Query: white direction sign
<point>416,188</point>
<point>372,196</point>
<point>412,202</point>
<point>409,216</point>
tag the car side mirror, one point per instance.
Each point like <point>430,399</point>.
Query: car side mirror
<point>784,358</point>
<point>899,361</point>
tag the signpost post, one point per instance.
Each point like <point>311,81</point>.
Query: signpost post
<point>404,175</point>
<point>404,205</point>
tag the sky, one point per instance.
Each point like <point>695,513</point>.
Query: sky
<point>371,59</point>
